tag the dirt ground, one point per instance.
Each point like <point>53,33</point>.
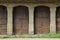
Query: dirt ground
<point>31,39</point>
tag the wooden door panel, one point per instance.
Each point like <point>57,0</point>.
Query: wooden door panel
<point>42,20</point>
<point>3,20</point>
<point>21,20</point>
<point>58,19</point>
<point>58,25</point>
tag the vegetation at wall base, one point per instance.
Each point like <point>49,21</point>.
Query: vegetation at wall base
<point>32,36</point>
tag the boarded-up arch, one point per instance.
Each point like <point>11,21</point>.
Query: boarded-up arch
<point>21,20</point>
<point>58,19</point>
<point>3,20</point>
<point>42,20</point>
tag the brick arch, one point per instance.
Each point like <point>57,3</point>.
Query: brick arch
<point>3,20</point>
<point>21,20</point>
<point>40,7</point>
<point>41,19</point>
<point>20,6</point>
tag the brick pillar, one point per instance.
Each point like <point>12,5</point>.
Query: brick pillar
<point>52,19</point>
<point>31,20</point>
<point>9,18</point>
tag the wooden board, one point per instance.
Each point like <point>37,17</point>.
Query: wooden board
<point>42,20</point>
<point>21,21</point>
<point>3,20</point>
<point>58,20</point>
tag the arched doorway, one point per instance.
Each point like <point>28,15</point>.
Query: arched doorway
<point>21,20</point>
<point>3,20</point>
<point>42,20</point>
<point>58,19</point>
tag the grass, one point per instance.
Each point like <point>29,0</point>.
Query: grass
<point>32,36</point>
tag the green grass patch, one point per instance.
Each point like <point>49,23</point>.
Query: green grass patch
<point>32,36</point>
